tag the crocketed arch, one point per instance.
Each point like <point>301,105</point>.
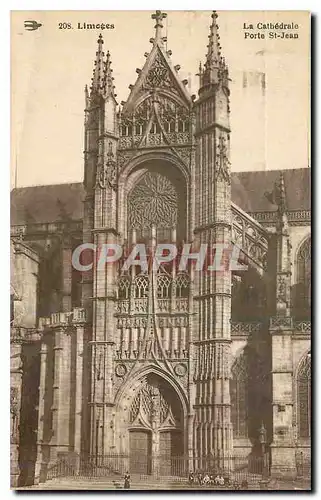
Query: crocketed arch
<point>304,397</point>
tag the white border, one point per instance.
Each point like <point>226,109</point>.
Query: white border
<point>313,6</point>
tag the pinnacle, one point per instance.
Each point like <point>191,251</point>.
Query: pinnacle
<point>215,69</point>
<point>102,81</point>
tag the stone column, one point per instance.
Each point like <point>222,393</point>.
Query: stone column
<point>40,465</point>
<point>282,447</point>
<point>61,397</point>
<point>15,406</point>
<point>281,330</point>
<point>66,273</point>
<point>78,390</point>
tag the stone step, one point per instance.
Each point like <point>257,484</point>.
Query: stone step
<point>73,483</point>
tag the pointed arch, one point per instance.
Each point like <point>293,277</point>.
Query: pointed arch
<point>239,397</point>
<point>135,378</point>
<point>303,392</point>
<point>303,278</point>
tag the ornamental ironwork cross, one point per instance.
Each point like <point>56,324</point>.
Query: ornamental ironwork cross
<point>159,16</point>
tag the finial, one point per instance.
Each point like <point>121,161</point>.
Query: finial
<point>159,16</point>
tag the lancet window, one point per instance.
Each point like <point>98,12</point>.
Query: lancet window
<point>304,398</point>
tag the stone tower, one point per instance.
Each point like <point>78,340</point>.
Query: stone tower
<point>212,291</point>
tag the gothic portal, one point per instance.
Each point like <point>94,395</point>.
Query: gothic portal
<point>151,156</point>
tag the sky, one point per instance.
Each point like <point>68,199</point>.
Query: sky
<point>50,68</point>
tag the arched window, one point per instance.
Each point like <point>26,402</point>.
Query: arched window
<point>239,399</point>
<point>141,286</point>
<point>123,287</point>
<point>126,130</point>
<point>303,286</point>
<point>139,128</point>
<point>304,398</point>
<point>169,125</point>
<point>163,286</point>
<point>154,128</point>
<point>182,285</point>
<point>183,125</point>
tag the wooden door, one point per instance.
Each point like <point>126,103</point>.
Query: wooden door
<point>140,452</point>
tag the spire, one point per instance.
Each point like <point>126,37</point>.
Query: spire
<point>215,69</point>
<point>102,81</point>
<point>213,57</point>
<point>282,201</point>
<point>158,16</point>
<point>98,76</point>
<point>87,99</point>
<point>282,225</point>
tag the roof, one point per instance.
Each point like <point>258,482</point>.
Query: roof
<point>249,188</point>
<point>40,204</point>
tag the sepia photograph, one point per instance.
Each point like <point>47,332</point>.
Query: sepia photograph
<point>160,250</point>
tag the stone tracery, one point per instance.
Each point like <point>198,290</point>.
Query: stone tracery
<point>153,201</point>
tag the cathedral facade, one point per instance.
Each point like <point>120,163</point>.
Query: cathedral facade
<point>146,365</point>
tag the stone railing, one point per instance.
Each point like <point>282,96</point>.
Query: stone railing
<point>140,306</point>
<point>20,334</point>
<point>178,138</point>
<point>181,305</point>
<point>250,236</point>
<point>302,326</point>
<point>281,322</point>
<point>45,228</point>
<point>242,328</point>
<point>294,216</point>
<point>77,315</point>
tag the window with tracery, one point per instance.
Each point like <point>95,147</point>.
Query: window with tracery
<point>169,126</point>
<point>126,130</point>
<point>152,202</point>
<point>163,286</point>
<point>303,286</point>
<point>139,128</point>
<point>123,288</point>
<point>239,398</point>
<point>182,125</point>
<point>182,285</point>
<point>304,398</point>
<point>141,285</point>
<point>154,129</point>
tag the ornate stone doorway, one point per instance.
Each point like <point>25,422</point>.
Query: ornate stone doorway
<point>155,427</point>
